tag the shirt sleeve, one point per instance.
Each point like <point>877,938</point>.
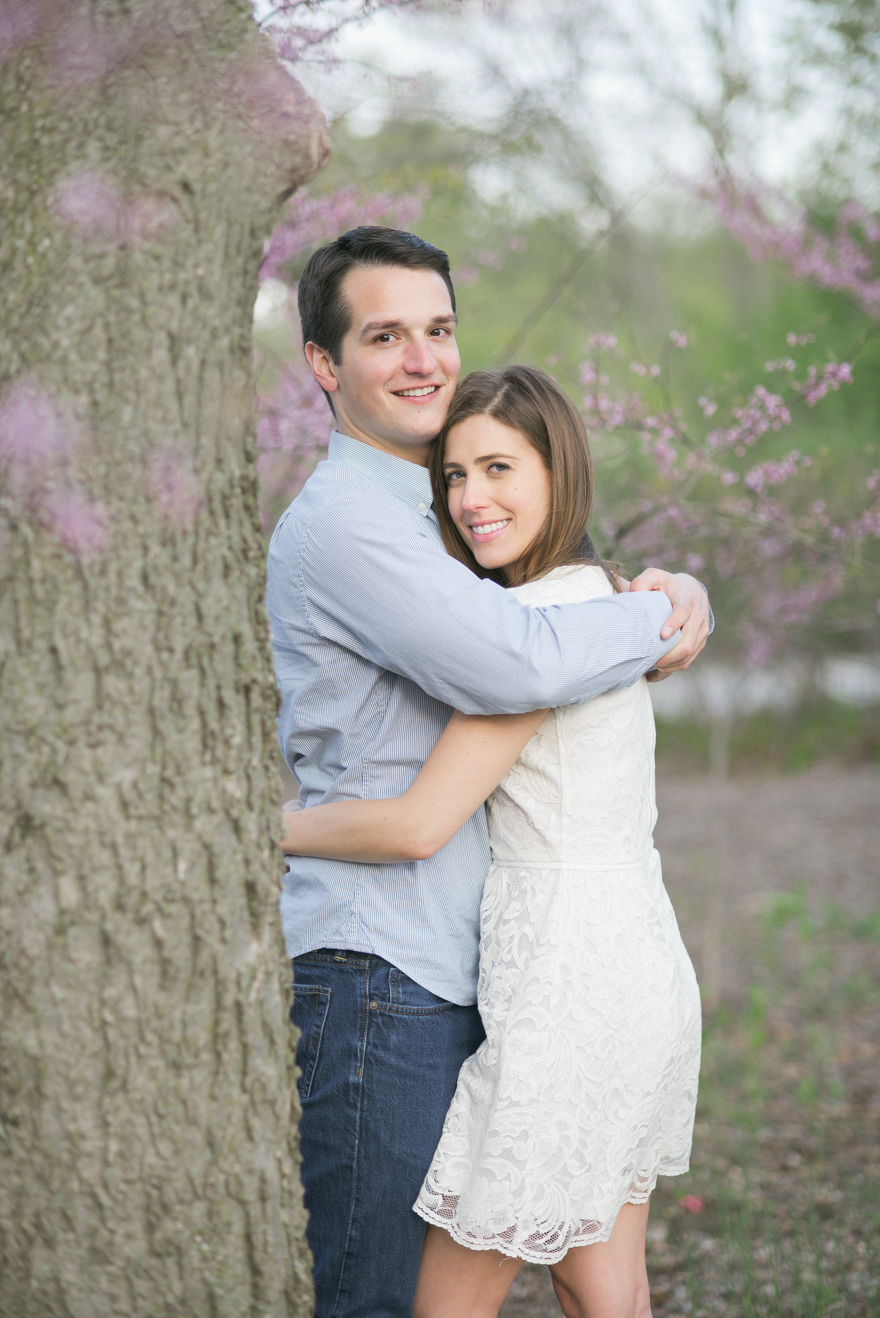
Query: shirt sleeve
<point>404,604</point>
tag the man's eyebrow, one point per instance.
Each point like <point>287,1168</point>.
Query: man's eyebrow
<point>372,326</point>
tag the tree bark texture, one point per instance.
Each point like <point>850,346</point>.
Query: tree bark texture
<point>148,1158</point>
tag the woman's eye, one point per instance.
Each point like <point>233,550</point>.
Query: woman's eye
<point>453,476</point>
<point>498,466</point>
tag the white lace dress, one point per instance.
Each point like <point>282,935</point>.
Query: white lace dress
<point>586,1085</point>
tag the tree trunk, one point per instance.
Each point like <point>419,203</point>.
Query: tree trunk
<point>148,1159</point>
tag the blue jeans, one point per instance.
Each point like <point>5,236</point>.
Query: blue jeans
<point>379,1057</point>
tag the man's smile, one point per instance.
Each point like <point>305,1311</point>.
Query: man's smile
<point>418,391</point>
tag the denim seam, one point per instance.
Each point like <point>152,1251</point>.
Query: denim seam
<point>357,1146</point>
<point>396,1009</point>
<point>351,958</point>
<point>322,1007</point>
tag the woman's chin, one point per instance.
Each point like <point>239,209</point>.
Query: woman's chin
<point>492,562</point>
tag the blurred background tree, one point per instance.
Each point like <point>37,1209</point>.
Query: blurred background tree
<point>636,170</point>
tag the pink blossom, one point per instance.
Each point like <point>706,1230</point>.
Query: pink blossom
<point>790,605</point>
<point>772,473</point>
<point>866,524</point>
<point>36,437</point>
<point>92,202</point>
<point>820,380</point>
<point>691,1203</point>
<point>678,338</point>
<point>601,341</point>
<point>83,52</point>
<point>310,221</point>
<point>304,30</point>
<point>293,426</point>
<point>841,261</point>
<point>760,646</point>
<point>466,275</point>
<point>80,523</point>
<point>19,21</point>
<point>175,487</point>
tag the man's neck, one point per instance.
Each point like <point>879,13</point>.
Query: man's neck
<point>417,452</point>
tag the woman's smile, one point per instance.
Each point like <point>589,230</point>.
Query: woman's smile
<point>484,531</point>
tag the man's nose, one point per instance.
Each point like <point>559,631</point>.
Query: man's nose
<point>418,358</point>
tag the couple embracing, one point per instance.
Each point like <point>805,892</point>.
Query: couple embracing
<point>500,1025</point>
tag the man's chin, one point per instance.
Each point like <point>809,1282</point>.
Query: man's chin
<point>422,428</point>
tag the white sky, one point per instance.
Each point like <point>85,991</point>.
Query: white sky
<point>627,99</point>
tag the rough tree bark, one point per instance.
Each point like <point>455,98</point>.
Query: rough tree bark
<point>148,1161</point>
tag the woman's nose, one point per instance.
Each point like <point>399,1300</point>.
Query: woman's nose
<point>474,496</point>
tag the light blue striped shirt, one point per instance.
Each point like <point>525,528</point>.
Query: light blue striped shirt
<point>377,635</point>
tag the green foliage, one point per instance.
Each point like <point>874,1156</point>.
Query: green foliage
<point>778,742</point>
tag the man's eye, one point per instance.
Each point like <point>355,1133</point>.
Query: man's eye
<point>383,338</point>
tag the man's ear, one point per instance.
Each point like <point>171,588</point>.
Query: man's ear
<point>323,368</point>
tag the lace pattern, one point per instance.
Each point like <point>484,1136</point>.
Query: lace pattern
<point>585,1087</point>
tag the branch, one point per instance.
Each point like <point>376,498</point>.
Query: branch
<point>553,294</point>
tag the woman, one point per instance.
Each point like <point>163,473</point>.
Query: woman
<point>585,1087</point>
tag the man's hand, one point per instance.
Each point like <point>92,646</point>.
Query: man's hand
<point>690,612</point>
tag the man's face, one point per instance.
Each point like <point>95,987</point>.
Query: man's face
<point>400,362</point>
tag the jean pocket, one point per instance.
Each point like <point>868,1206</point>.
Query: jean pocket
<point>311,1003</point>
<point>407,998</point>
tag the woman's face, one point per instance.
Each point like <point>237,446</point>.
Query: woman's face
<point>498,490</point>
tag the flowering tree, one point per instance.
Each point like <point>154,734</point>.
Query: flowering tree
<point>708,497</point>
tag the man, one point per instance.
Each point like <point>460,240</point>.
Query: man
<point>377,635</point>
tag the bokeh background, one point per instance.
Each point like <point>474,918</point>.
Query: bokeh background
<point>672,208</point>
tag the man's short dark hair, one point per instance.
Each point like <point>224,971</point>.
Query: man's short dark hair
<point>323,311</point>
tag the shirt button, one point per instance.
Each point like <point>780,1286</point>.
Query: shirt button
<point>421,507</point>
<point>374,1006</point>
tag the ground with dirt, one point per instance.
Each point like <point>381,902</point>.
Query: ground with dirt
<point>776,882</point>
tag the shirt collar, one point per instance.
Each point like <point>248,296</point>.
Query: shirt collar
<point>405,480</point>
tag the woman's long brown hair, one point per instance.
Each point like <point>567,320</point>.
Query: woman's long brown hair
<point>529,401</point>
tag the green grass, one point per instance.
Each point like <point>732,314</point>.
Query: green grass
<point>786,1157</point>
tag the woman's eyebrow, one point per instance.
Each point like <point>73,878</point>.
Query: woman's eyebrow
<point>489,457</point>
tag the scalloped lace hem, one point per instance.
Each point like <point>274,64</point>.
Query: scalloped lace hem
<point>545,1244</point>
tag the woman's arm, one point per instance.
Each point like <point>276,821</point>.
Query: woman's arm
<point>468,762</point>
